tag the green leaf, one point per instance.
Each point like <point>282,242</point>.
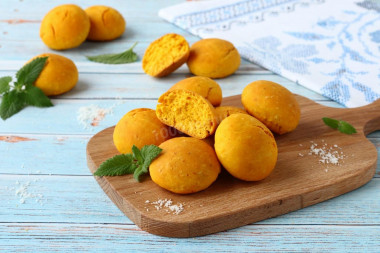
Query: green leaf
<point>11,103</point>
<point>333,123</point>
<point>346,128</point>
<point>149,153</point>
<point>36,97</point>
<point>137,155</point>
<point>117,166</point>
<point>24,93</point>
<point>139,172</point>
<point>341,125</point>
<point>121,58</point>
<point>4,84</point>
<point>30,72</point>
<point>137,162</point>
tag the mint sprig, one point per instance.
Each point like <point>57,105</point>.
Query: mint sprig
<point>4,84</point>
<point>121,58</point>
<point>341,125</point>
<point>137,163</point>
<point>23,93</point>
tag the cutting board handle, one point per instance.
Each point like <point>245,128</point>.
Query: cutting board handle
<point>366,117</point>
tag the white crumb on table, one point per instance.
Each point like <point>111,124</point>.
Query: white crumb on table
<point>23,193</point>
<point>90,116</point>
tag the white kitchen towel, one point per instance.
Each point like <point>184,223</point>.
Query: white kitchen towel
<point>329,46</point>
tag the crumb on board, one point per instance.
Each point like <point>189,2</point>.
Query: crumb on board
<point>167,205</point>
<point>326,154</point>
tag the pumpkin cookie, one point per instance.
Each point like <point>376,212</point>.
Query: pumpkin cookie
<point>245,147</point>
<point>223,112</point>
<point>272,104</point>
<point>186,165</point>
<point>66,26</point>
<point>140,127</point>
<point>188,112</point>
<point>214,58</point>
<point>204,86</point>
<point>165,55</point>
<point>58,76</point>
<point>106,23</point>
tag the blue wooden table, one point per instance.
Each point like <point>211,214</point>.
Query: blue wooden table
<point>51,202</point>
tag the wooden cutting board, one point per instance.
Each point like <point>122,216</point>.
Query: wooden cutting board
<point>298,180</point>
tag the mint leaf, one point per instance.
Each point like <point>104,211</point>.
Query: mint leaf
<point>137,162</point>
<point>30,72</point>
<point>121,58</point>
<point>149,153</point>
<point>137,154</point>
<point>4,84</point>
<point>36,97</point>
<point>11,103</point>
<point>23,93</point>
<point>342,126</point>
<point>346,128</point>
<point>333,123</point>
<point>139,172</point>
<point>116,166</point>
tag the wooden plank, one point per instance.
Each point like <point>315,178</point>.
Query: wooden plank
<point>36,9</point>
<point>79,199</point>
<point>16,28</point>
<point>128,238</point>
<point>86,66</point>
<point>40,119</point>
<point>44,198</point>
<point>121,85</point>
<point>35,154</point>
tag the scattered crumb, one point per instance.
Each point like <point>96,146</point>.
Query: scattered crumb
<point>327,154</point>
<point>23,193</point>
<point>91,115</point>
<point>167,205</point>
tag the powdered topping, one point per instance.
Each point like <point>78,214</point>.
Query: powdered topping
<point>167,205</point>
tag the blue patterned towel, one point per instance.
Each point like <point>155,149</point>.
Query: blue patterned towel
<point>329,46</point>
